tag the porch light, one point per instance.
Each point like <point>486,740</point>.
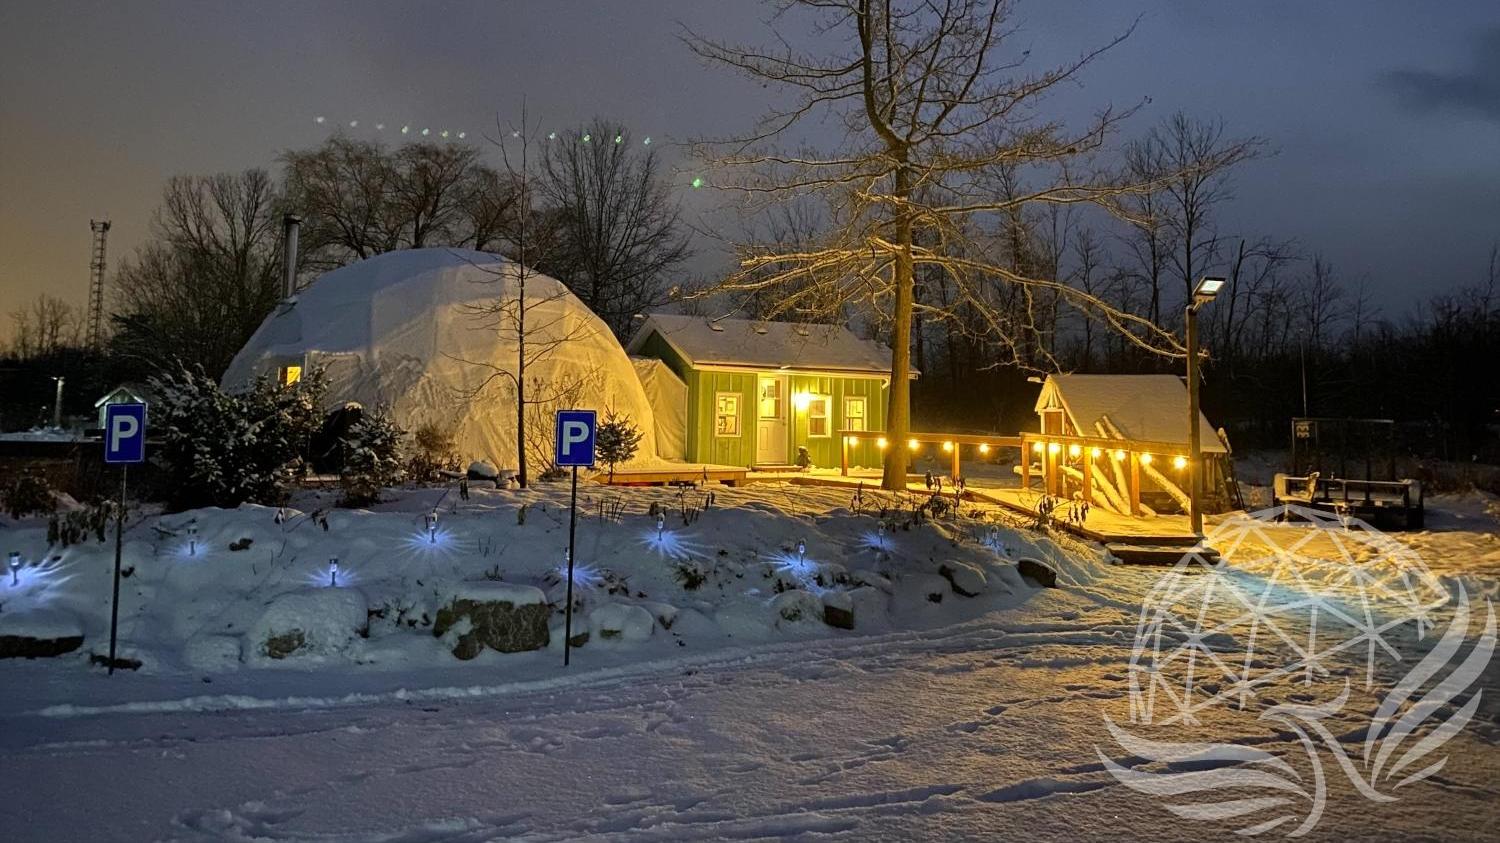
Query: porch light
<point>1053,447</point>
<point>1179,463</point>
<point>850,440</point>
<point>1038,447</point>
<point>881,443</point>
<point>1074,450</point>
<point>1095,452</point>
<point>984,448</point>
<point>802,400</point>
<point>1119,454</point>
<point>948,446</point>
<point>913,444</point>
<point>1145,459</point>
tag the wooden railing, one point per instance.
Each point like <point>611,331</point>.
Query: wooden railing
<point>1059,455</point>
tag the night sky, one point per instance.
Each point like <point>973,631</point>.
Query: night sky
<point>1385,116</point>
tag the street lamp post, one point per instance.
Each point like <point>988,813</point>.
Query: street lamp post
<point>1208,287</point>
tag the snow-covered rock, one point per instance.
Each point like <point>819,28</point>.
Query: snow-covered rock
<point>621,622</point>
<point>838,609</point>
<point>863,576</point>
<point>797,606</point>
<point>313,622</point>
<point>38,633</point>
<point>502,616</point>
<point>481,470</point>
<point>967,580</point>
<point>1037,572</point>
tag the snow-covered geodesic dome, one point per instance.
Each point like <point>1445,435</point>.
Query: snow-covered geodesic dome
<point>410,330</point>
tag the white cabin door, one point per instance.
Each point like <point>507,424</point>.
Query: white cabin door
<point>771,411</point>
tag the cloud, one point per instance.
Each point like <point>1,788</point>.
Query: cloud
<point>1473,90</point>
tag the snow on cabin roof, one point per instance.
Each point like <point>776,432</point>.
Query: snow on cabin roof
<point>1143,407</point>
<point>752,344</point>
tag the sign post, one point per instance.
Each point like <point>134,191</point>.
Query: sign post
<point>124,443</point>
<point>575,447</point>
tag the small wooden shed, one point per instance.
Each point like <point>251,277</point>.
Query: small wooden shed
<point>759,391</point>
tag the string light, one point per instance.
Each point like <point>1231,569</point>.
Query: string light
<point>1053,447</point>
<point>1145,459</point>
<point>1179,463</point>
<point>1095,452</point>
<point>913,444</point>
<point>881,443</point>
<point>984,448</point>
<point>948,446</point>
<point>1074,450</point>
<point>1038,447</point>
<point>1119,455</point>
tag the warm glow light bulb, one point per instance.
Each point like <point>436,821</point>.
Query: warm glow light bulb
<point>1095,452</point>
<point>1038,447</point>
<point>983,448</point>
<point>913,444</point>
<point>1074,450</point>
<point>1119,455</point>
<point>1053,447</point>
<point>1145,459</point>
<point>948,446</point>
<point>881,443</point>
<point>697,182</point>
<point>1179,463</point>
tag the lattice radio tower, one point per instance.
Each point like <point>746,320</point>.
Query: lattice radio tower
<point>96,284</point>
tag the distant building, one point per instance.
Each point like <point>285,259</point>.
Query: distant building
<point>125,393</point>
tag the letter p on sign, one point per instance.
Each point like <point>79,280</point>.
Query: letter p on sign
<point>575,437</point>
<point>124,433</point>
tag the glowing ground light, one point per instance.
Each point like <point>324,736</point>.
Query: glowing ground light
<point>436,541</point>
<point>405,130</point>
<point>354,124</point>
<point>333,572</point>
<point>318,119</point>
<point>15,568</point>
<point>646,142</point>
<point>31,586</point>
<point>552,136</point>
<point>379,127</point>
<point>661,524</point>
<point>587,138</point>
<point>668,544</point>
<point>876,540</point>
<point>584,574</point>
<point>444,133</point>
<point>619,138</point>
<point>426,132</point>
<point>697,182</point>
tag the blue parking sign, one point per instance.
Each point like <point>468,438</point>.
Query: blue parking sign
<point>575,437</point>
<point>124,433</point>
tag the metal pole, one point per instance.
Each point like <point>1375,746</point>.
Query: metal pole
<point>114,604</point>
<point>572,533</point>
<point>1195,447</point>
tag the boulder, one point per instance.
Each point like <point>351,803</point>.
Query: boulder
<point>838,609</point>
<point>797,606</point>
<point>504,617</point>
<point>621,622</point>
<point>481,470</point>
<point>311,622</point>
<point>966,580</point>
<point>38,634</point>
<point>1037,573</point>
<point>861,576</point>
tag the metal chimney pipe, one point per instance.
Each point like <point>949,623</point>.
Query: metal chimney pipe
<point>290,225</point>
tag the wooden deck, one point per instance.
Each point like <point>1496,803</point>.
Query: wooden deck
<point>1157,540</point>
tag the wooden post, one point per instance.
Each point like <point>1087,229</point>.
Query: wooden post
<point>844,455</point>
<point>1088,477</point>
<point>1025,464</point>
<point>1135,484</point>
<point>956,448</point>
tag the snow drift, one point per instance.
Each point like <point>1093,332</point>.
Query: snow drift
<point>407,329</point>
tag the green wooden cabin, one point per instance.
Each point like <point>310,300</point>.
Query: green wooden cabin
<point>759,391</point>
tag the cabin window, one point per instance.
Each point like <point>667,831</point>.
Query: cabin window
<point>854,414</point>
<point>817,415</point>
<point>289,375</point>
<point>727,414</point>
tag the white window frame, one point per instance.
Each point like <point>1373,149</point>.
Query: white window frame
<point>739,423</point>
<point>864,418</point>
<point>827,416</point>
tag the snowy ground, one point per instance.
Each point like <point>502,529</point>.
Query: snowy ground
<point>974,717</point>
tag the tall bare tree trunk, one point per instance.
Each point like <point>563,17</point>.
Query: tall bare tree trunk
<point>898,415</point>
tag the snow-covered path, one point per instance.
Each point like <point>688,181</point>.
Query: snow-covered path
<point>982,730</point>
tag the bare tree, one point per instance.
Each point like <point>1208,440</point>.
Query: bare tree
<point>932,112</point>
<point>360,199</point>
<point>534,320</point>
<point>48,325</point>
<point>617,220</point>
<point>208,277</point>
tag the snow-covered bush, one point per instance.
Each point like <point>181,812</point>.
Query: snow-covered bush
<point>372,457</point>
<point>28,494</point>
<point>223,450</point>
<point>616,440</point>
